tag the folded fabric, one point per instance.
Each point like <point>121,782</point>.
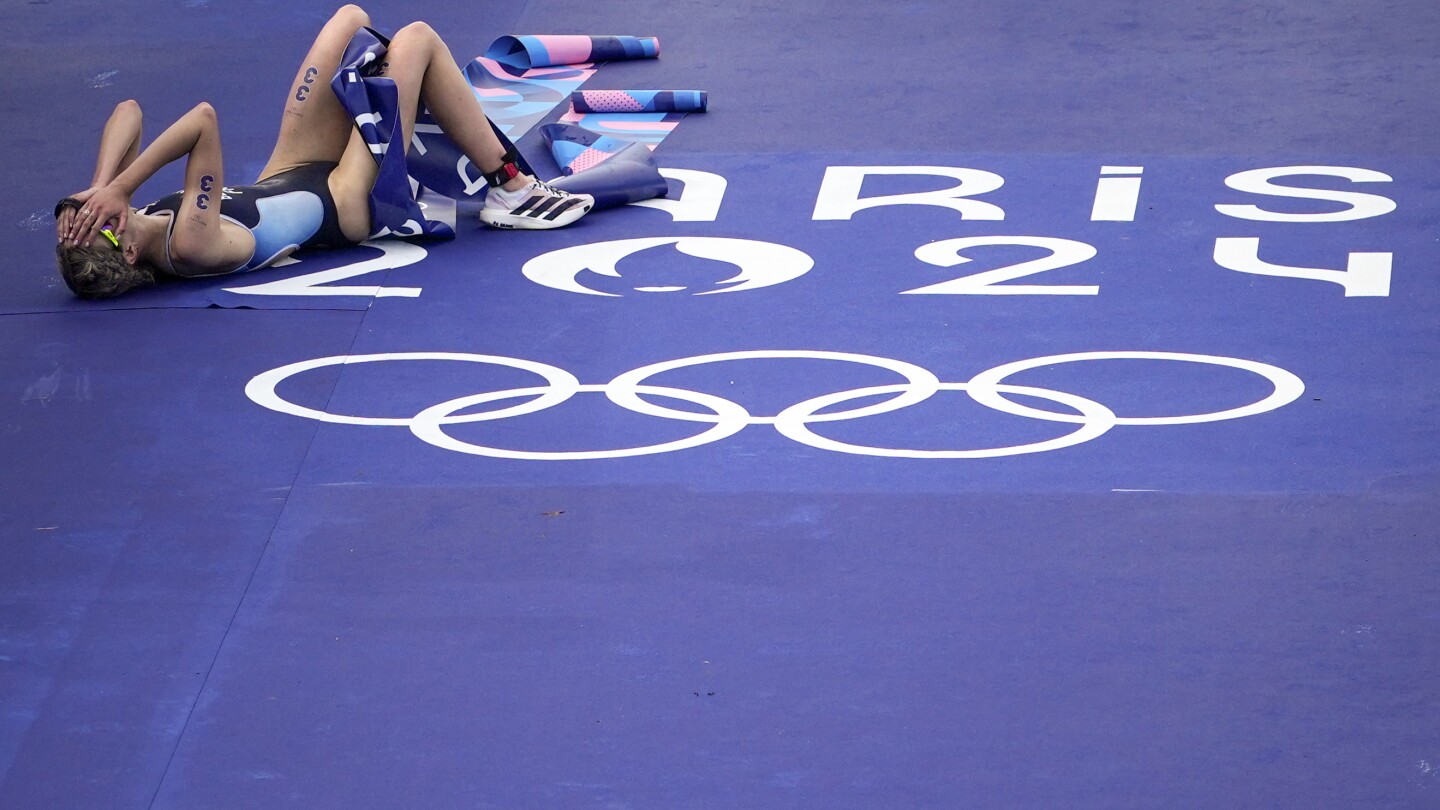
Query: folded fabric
<point>599,101</point>
<point>576,149</point>
<point>625,173</point>
<point>372,102</point>
<point>534,51</point>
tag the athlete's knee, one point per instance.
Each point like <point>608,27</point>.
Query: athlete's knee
<point>351,16</point>
<point>418,31</point>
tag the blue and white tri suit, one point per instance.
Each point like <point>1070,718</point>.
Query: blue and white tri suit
<point>289,211</point>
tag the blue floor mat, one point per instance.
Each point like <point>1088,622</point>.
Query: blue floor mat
<point>141,497</point>
<point>220,588</point>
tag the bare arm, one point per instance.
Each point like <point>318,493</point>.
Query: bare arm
<point>119,146</point>
<point>197,240</point>
<point>119,143</point>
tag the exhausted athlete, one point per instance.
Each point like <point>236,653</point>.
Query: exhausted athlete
<point>313,193</point>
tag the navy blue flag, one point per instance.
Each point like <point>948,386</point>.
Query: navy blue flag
<point>414,195</point>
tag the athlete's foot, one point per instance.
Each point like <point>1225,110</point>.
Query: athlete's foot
<point>534,206</point>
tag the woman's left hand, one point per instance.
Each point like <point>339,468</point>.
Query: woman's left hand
<point>97,208</point>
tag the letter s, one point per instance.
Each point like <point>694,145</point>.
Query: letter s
<point>1257,181</point>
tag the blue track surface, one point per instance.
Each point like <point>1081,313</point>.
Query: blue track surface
<point>219,590</point>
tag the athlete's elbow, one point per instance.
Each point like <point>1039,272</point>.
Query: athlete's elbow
<point>182,253</point>
<point>204,121</point>
<point>187,258</point>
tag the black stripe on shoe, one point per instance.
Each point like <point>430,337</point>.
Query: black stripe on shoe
<point>542,207</point>
<point>562,208</point>
<point>525,206</point>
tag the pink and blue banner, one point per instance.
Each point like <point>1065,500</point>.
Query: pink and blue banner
<point>533,51</point>
<point>637,101</point>
<point>517,99</point>
<point>647,128</point>
<point>642,116</point>
<point>613,171</point>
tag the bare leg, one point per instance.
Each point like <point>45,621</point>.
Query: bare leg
<point>424,71</point>
<point>315,127</point>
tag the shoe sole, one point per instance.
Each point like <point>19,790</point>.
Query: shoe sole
<point>500,219</point>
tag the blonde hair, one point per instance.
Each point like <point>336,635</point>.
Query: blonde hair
<point>92,272</point>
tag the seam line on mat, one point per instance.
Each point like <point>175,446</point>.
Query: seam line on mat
<point>250,581</point>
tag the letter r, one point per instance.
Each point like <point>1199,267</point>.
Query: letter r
<point>839,196</point>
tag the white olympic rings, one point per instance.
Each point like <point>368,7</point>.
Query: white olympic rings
<point>727,418</point>
<point>427,425</point>
<point>792,424</point>
<point>262,389</point>
<point>1288,387</point>
<point>922,384</point>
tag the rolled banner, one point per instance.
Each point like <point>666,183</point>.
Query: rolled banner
<point>605,101</point>
<point>545,50</point>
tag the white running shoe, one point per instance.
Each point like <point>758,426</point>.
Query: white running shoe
<point>536,206</point>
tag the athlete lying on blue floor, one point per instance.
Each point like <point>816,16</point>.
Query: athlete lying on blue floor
<point>313,192</point>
